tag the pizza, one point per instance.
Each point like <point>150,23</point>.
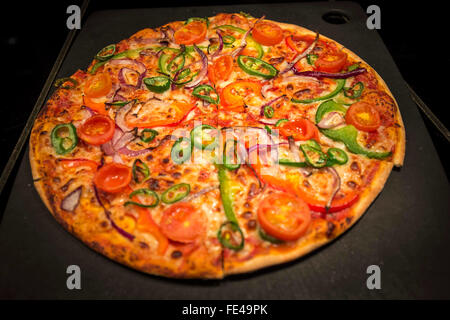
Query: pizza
<point>215,146</point>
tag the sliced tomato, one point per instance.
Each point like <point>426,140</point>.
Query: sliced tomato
<point>161,117</point>
<point>267,33</point>
<point>232,96</point>
<point>332,61</point>
<point>98,85</point>
<point>94,105</point>
<point>112,177</point>
<point>191,33</point>
<point>181,222</point>
<point>68,164</point>
<point>302,130</point>
<point>299,43</point>
<point>363,116</point>
<point>284,216</point>
<point>221,69</point>
<point>97,130</point>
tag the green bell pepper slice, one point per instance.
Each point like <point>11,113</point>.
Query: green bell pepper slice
<point>328,106</point>
<point>339,85</point>
<point>254,66</point>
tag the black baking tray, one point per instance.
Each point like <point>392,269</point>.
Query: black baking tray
<point>404,232</point>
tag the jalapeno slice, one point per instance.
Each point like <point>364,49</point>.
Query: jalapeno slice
<point>279,122</point>
<point>147,135</point>
<point>181,150</point>
<point>204,140</point>
<point>140,168</point>
<point>228,40</point>
<point>257,67</point>
<point>225,236</point>
<point>207,93</point>
<point>146,192</point>
<point>106,53</point>
<point>157,84</point>
<point>314,144</point>
<point>355,91</point>
<point>231,154</point>
<point>314,157</point>
<point>336,156</point>
<point>339,85</point>
<point>176,64</point>
<point>68,142</point>
<point>176,193</point>
<point>269,111</point>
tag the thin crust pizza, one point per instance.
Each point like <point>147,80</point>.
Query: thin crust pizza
<point>215,146</point>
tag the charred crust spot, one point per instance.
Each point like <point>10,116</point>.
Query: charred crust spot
<point>247,215</point>
<point>66,186</point>
<point>247,205</point>
<point>355,166</point>
<point>330,228</point>
<point>165,160</point>
<point>56,180</point>
<point>153,184</point>
<point>251,224</point>
<point>176,175</point>
<point>176,254</point>
<point>352,184</point>
<point>348,220</point>
<point>143,245</point>
<point>104,224</point>
<point>306,183</point>
<point>149,157</point>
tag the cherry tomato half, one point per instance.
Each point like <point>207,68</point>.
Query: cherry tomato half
<point>113,177</point>
<point>363,116</point>
<point>181,222</point>
<point>97,130</point>
<point>98,86</point>
<point>232,95</point>
<point>331,62</point>
<point>221,69</point>
<point>191,33</point>
<point>267,33</point>
<point>284,216</point>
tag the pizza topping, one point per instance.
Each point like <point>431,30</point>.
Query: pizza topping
<point>221,69</point>
<point>206,93</point>
<point>64,138</point>
<point>355,91</point>
<point>339,75</point>
<point>267,33</point>
<point>176,193</point>
<point>205,137</point>
<point>72,200</point>
<point>301,129</point>
<point>331,62</point>
<point>129,78</point>
<point>140,169</point>
<point>191,33</point>
<point>203,71</point>
<point>314,157</point>
<point>363,116</point>
<point>106,53</point>
<point>231,236</point>
<point>112,177</point>
<point>234,94</point>
<point>97,130</point>
<point>301,55</point>
<point>143,192</point>
<point>339,85</point>
<point>331,120</point>
<point>66,83</point>
<point>257,67</point>
<point>98,86</point>
<point>284,216</point>
<point>181,222</point>
<point>336,156</point>
<point>220,45</point>
<point>157,84</point>
<point>147,135</point>
<point>231,159</point>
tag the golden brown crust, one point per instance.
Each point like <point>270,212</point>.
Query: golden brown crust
<point>127,253</point>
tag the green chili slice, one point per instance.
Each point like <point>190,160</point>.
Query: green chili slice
<point>106,53</point>
<point>228,40</point>
<point>263,235</point>
<point>269,131</point>
<point>231,153</point>
<point>147,135</point>
<point>290,163</point>
<point>256,67</point>
<point>59,83</point>
<point>181,150</point>
<point>336,156</point>
<point>225,236</point>
<point>203,140</point>
<point>314,157</point>
<point>176,193</point>
<point>140,168</point>
<point>269,112</point>
<point>311,58</point>
<point>355,91</point>
<point>176,64</point>
<point>314,144</point>
<point>251,43</point>
<point>279,122</point>
<point>157,84</point>
<point>339,85</point>
<point>64,138</point>
<point>146,192</point>
<point>207,93</point>
<point>353,67</point>
<point>163,62</point>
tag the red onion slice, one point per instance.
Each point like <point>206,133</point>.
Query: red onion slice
<point>318,74</point>
<point>108,149</point>
<point>120,117</point>
<point>336,185</point>
<point>125,139</point>
<point>203,72</point>
<point>331,120</point>
<point>302,55</point>
<point>219,50</point>
<point>71,201</point>
<point>141,68</point>
<point>244,39</point>
<point>133,153</point>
